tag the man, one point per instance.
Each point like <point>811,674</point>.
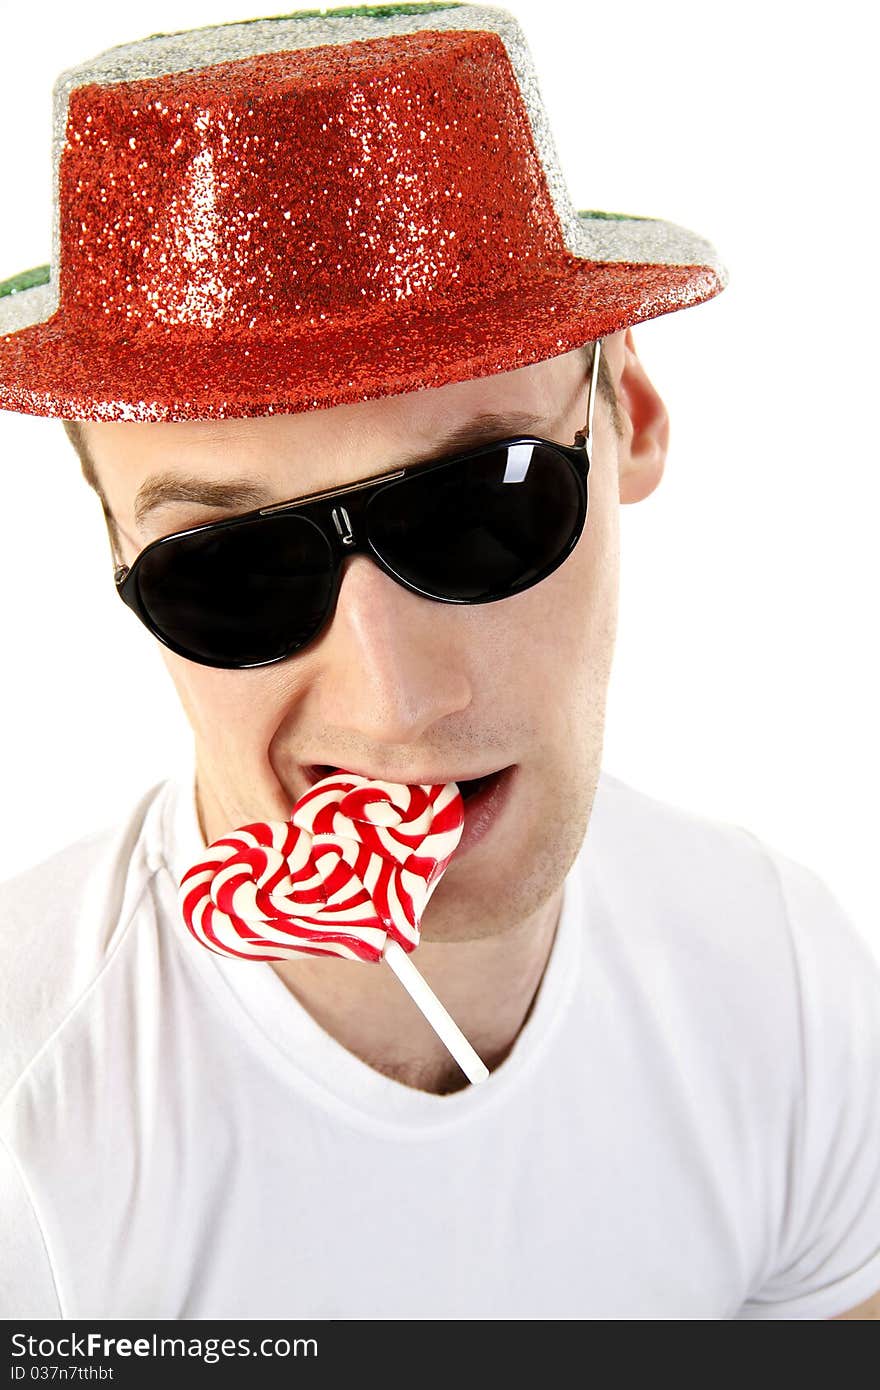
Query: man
<point>682,1117</point>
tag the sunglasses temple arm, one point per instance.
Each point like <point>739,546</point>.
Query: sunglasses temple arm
<point>584,438</point>
<point>120,568</point>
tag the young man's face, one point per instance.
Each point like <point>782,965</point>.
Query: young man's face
<point>397,685</point>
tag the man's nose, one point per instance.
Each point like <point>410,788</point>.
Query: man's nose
<point>391,663</point>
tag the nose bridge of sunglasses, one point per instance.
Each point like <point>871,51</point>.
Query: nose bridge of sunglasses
<point>343,524</point>
<point>338,512</point>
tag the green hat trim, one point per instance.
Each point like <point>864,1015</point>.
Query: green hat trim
<point>615,216</point>
<point>344,12</point>
<point>26,280</point>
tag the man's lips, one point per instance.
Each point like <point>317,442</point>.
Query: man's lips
<point>468,783</point>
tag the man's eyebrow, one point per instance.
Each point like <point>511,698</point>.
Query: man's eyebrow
<point>212,492</point>
<point>479,429</point>
<point>189,487</point>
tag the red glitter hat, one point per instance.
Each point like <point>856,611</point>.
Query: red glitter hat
<point>287,214</point>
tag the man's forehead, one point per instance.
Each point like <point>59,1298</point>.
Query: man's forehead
<point>315,468</point>
<point>529,393</point>
<point>241,464</point>
<point>166,474</point>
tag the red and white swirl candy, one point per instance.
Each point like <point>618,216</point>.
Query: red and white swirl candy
<point>355,865</point>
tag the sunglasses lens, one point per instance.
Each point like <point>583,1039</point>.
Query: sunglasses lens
<point>482,528</point>
<point>249,594</point>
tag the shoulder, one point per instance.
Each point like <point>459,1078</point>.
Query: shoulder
<point>691,874</point>
<point>61,921</point>
<point>708,905</point>
<point>683,859</point>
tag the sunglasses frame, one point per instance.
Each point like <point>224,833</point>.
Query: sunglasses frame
<point>341,527</point>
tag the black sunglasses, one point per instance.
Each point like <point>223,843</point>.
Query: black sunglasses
<point>258,587</point>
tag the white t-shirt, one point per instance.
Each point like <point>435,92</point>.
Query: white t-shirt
<point>688,1125</point>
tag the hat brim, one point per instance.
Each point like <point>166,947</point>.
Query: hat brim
<point>54,368</point>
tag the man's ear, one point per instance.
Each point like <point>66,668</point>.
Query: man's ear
<point>646,428</point>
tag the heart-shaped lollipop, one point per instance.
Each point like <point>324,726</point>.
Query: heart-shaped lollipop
<point>349,874</point>
<point>356,864</point>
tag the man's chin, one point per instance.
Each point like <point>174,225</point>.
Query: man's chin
<point>514,876</point>
<point>494,902</point>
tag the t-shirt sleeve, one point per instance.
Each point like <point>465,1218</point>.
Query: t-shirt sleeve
<point>27,1286</point>
<point>828,1251</point>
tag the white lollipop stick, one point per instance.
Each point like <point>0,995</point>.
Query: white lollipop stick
<point>425,999</point>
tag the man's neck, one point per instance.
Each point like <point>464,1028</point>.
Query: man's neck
<point>487,985</point>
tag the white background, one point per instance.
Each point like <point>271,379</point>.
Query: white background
<point>746,681</point>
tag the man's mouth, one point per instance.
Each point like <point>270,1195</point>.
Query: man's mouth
<point>468,786</point>
<point>484,795</point>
